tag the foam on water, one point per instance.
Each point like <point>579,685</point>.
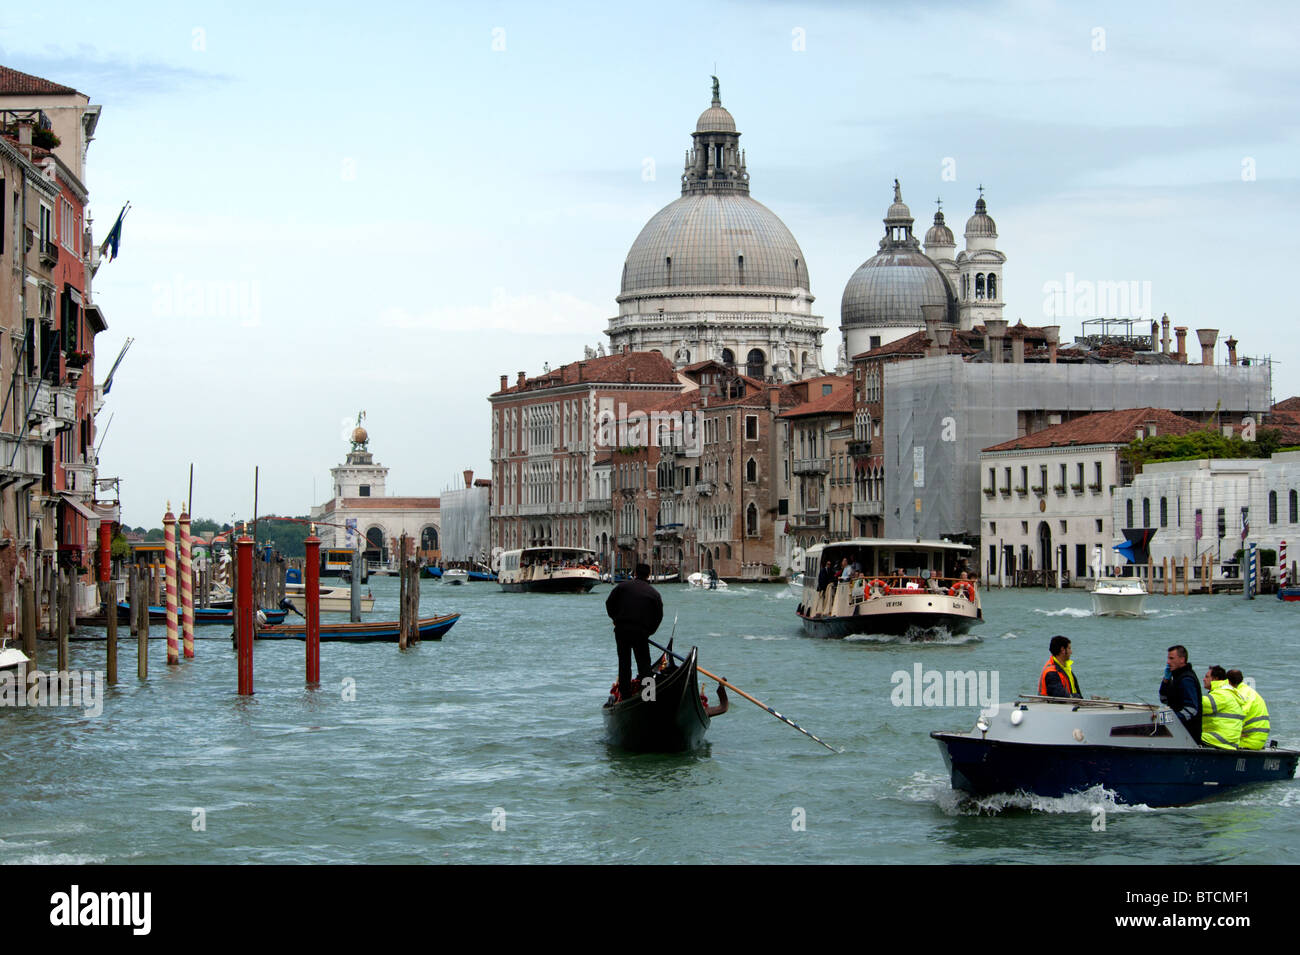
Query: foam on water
<point>936,636</point>
<point>1065,612</point>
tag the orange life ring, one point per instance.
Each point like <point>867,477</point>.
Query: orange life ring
<point>963,587</point>
<point>871,587</point>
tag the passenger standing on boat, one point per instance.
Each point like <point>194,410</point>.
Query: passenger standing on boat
<point>637,610</point>
<point>1179,690</point>
<point>1255,729</point>
<point>825,577</point>
<point>1222,711</point>
<point>1058,677</point>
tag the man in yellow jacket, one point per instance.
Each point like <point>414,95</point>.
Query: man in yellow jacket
<point>1222,711</point>
<point>1255,728</point>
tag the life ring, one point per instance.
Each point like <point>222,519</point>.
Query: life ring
<point>963,587</point>
<point>871,587</point>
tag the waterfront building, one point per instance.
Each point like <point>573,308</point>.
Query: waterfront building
<point>465,515</point>
<point>716,275</point>
<point>1202,507</point>
<point>360,505</point>
<point>817,433</point>
<point>548,435</point>
<point>1047,496</point>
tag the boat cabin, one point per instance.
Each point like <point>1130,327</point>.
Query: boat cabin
<point>556,558</point>
<point>887,559</point>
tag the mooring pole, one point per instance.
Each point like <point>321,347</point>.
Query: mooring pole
<point>311,589</point>
<point>355,592</point>
<point>187,583</point>
<point>169,564</point>
<point>246,611</point>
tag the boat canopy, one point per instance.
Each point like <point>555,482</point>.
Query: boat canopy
<point>879,556</point>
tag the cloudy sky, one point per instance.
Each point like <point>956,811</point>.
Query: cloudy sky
<point>385,206</point>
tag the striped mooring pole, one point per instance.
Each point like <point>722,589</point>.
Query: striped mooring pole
<point>187,584</point>
<point>1251,579</point>
<point>1282,568</point>
<point>169,570</point>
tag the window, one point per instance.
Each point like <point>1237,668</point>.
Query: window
<point>1146,512</point>
<point>751,470</point>
<point>751,520</point>
<point>1223,523</point>
<point>751,427</point>
<point>1007,475</point>
<point>1164,512</point>
<point>1080,475</point>
<point>1272,507</point>
<point>364,490</point>
<point>1099,528</point>
<point>1292,515</point>
<point>1097,468</point>
<point>1128,513</point>
<point>874,341</point>
<point>993,286</point>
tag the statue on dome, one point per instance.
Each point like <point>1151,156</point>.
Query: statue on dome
<point>683,356</point>
<point>600,349</point>
<point>588,351</point>
<point>716,94</point>
<point>359,436</point>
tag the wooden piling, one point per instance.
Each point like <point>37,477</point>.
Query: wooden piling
<point>403,604</point>
<point>141,613</point>
<point>27,589</point>
<point>108,591</point>
<point>1186,583</point>
<point>415,600</point>
<point>64,593</point>
<point>52,602</point>
<point>246,610</point>
<point>311,595</point>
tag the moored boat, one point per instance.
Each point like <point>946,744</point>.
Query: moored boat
<point>332,600</point>
<point>899,587</point>
<point>202,615</point>
<point>705,581</point>
<point>383,631</point>
<point>551,570</point>
<point>1053,747</point>
<point>11,658</point>
<point>672,719</point>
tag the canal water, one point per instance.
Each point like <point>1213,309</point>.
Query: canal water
<point>487,747</point>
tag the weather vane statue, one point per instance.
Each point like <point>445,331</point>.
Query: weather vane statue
<point>717,96</point>
<point>359,436</point>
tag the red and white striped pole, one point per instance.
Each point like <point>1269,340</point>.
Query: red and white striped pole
<point>187,584</point>
<point>245,609</point>
<point>169,570</point>
<point>1281,558</point>
<point>311,588</point>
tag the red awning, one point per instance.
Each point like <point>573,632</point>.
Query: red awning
<point>77,506</point>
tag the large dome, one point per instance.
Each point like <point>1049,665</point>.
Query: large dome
<point>714,240</point>
<point>890,288</point>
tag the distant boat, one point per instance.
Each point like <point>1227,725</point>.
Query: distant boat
<point>1116,596</point>
<point>552,570</point>
<point>455,575</point>
<point>700,581</point>
<point>10,658</point>
<point>202,615</point>
<point>332,599</point>
<point>383,631</point>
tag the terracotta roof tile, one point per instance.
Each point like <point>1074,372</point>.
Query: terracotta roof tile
<point>839,401</point>
<point>1103,427</point>
<point>1290,404</point>
<point>12,82</point>
<point>638,367</point>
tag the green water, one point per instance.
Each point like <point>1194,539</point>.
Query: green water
<point>487,746</point>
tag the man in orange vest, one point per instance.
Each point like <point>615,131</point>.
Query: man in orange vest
<point>1058,677</point>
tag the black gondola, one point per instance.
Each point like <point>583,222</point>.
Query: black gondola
<point>674,721</point>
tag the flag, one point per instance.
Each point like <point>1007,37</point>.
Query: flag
<point>114,237</point>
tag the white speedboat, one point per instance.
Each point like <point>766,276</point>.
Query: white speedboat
<point>11,659</point>
<point>699,581</point>
<point>455,575</point>
<point>795,583</point>
<point>1116,596</point>
<point>332,599</point>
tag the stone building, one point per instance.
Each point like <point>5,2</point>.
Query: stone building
<point>820,470</point>
<point>716,275</point>
<point>361,505</point>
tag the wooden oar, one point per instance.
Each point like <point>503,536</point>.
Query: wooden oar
<point>713,676</point>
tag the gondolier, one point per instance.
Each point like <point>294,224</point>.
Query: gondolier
<point>637,610</point>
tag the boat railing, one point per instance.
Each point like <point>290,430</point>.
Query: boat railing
<point>840,598</point>
<point>1094,702</point>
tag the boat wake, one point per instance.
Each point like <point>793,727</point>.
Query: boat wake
<point>939,636</point>
<point>929,788</point>
<point>1065,612</point>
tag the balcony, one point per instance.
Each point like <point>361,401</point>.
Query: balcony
<point>1059,489</point>
<point>1022,491</point>
<point>990,492</point>
<point>26,458</point>
<point>668,531</point>
<point>868,508</point>
<point>1040,489</point>
<point>627,541</point>
<point>595,505</point>
<point>809,520</point>
<point>55,402</point>
<point>705,487</point>
<point>49,253</point>
<point>859,448</point>
<point>812,465</point>
<point>1094,488</point>
<point>1076,488</point>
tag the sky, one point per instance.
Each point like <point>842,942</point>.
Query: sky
<point>386,206</point>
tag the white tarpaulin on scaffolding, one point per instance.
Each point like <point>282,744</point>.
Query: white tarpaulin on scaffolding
<point>465,530</point>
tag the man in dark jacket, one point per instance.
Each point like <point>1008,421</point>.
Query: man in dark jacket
<point>637,610</point>
<point>1057,678</point>
<point>1181,691</point>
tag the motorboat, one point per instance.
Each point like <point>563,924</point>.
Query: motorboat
<point>795,583</point>
<point>455,575</point>
<point>554,570</point>
<point>702,581</point>
<point>899,587</point>
<point>1116,596</point>
<point>11,659</point>
<point>332,599</point>
<point>1054,746</point>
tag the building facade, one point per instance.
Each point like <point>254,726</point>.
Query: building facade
<point>817,433</point>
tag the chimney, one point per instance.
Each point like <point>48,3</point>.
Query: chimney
<point>1053,336</point>
<point>503,382</point>
<point>469,477</point>
<point>1151,427</point>
<point>1232,350</point>
<point>25,136</point>
<point>774,399</point>
<point>933,315</point>
<point>1018,344</point>
<point>581,366</point>
<point>1180,331</point>
<point>943,338</point>
<point>1208,337</point>
<point>1164,334</point>
<point>519,383</point>
<point>995,329</point>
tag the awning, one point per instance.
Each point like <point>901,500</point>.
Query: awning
<point>96,319</point>
<point>77,506</point>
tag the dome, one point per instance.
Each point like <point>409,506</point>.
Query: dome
<point>712,240</point>
<point>981,223</point>
<point>715,119</point>
<point>899,210</point>
<point>359,435</point>
<point>939,233</point>
<point>890,288</point>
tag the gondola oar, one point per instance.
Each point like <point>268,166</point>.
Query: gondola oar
<point>729,686</point>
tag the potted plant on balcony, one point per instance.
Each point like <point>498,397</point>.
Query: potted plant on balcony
<point>78,359</point>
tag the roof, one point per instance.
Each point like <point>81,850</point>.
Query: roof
<point>839,401</point>
<point>13,82</point>
<point>637,367</point>
<point>1290,404</point>
<point>1103,427</point>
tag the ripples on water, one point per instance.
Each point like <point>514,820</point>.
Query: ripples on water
<point>500,723</point>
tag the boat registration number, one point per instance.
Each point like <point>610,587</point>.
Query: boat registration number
<point>1272,764</point>
<point>893,603</point>
<point>1165,716</point>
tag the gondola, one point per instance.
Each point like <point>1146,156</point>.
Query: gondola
<point>674,721</point>
<point>384,631</point>
<point>202,615</point>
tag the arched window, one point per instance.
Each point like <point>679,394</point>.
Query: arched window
<point>1272,507</point>
<point>751,470</point>
<point>993,286</point>
<point>429,538</point>
<point>1292,516</point>
<point>751,520</point>
<point>1164,512</point>
<point>965,286</point>
<point>755,363</point>
<point>728,357</point>
<point>979,285</point>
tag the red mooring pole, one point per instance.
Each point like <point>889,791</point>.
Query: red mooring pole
<point>247,619</point>
<point>311,587</point>
<point>106,559</point>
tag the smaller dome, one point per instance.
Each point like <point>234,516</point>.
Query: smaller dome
<point>981,223</point>
<point>359,435</point>
<point>715,119</point>
<point>939,234</point>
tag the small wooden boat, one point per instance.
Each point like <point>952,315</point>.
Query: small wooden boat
<point>381,631</point>
<point>202,615</point>
<point>332,600</point>
<point>673,721</point>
